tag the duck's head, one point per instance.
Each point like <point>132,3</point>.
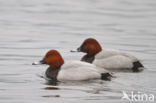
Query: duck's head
<point>90,46</point>
<point>52,58</point>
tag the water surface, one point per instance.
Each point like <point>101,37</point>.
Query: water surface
<point>28,29</point>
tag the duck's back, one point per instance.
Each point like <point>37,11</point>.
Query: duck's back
<point>105,53</point>
<point>75,64</point>
<point>113,59</point>
<point>77,70</point>
<point>117,62</point>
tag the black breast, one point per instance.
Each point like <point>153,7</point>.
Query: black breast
<point>52,73</point>
<point>88,59</point>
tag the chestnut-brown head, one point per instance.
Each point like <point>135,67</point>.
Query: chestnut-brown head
<point>90,46</point>
<point>53,58</point>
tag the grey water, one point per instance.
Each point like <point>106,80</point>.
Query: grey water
<point>29,28</point>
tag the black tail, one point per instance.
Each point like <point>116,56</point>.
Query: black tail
<point>136,66</point>
<point>106,76</point>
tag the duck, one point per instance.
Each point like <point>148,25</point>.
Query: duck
<point>59,70</point>
<point>111,59</point>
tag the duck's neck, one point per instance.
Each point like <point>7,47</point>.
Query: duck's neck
<point>88,58</point>
<point>52,72</point>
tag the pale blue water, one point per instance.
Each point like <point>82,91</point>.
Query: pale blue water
<point>29,28</point>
